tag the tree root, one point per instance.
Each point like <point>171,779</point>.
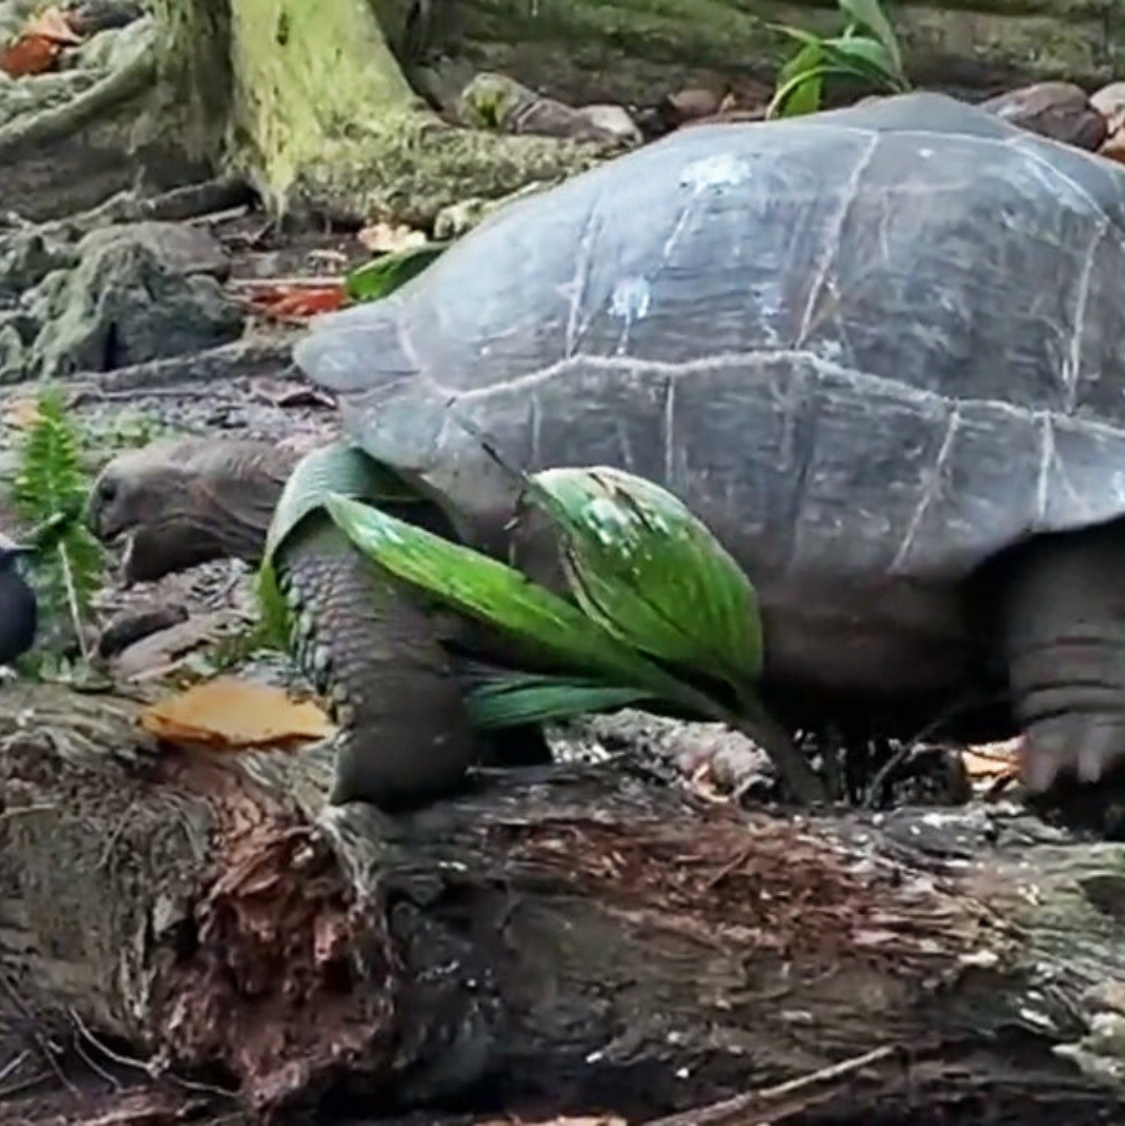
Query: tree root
<point>411,166</point>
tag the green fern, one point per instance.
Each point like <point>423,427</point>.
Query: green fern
<point>50,491</point>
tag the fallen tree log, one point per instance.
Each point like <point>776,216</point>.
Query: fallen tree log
<point>574,938</point>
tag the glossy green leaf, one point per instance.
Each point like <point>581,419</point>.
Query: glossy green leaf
<point>492,592</point>
<point>383,275</point>
<point>651,573</point>
<point>331,469</point>
<point>337,468</point>
<point>868,56</point>
<point>802,82</point>
<point>520,699</point>
<point>870,15</point>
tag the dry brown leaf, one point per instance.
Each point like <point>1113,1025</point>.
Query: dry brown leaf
<point>53,24</point>
<point>1114,148</point>
<point>992,760</point>
<point>231,714</point>
<point>389,238</point>
<point>21,414</point>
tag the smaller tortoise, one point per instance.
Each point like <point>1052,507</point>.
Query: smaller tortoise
<point>877,350</point>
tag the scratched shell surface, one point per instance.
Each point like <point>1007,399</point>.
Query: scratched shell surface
<point>888,339</point>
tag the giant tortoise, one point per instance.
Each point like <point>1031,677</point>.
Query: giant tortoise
<point>880,351</point>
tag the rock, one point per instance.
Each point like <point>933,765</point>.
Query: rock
<point>1109,101</point>
<point>26,258</point>
<point>131,626</point>
<point>614,120</point>
<point>136,294</point>
<point>1059,110</point>
<point>183,247</point>
<point>494,101</point>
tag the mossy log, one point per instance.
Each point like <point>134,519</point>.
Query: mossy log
<point>568,939</point>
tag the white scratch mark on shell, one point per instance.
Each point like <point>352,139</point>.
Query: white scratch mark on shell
<point>831,249</point>
<point>934,482</point>
<point>1072,368</point>
<point>631,300</point>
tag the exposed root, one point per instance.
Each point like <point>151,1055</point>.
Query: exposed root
<point>409,166</point>
<point>57,124</point>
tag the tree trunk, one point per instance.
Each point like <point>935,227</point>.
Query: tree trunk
<point>568,939</point>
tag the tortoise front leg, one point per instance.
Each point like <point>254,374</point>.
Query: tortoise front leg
<point>375,654</point>
<point>382,660</point>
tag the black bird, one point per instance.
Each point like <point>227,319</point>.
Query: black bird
<point>19,611</point>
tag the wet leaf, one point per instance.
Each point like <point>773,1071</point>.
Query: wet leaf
<point>231,714</point>
<point>487,590</point>
<point>518,699</point>
<point>382,276</point>
<point>651,573</point>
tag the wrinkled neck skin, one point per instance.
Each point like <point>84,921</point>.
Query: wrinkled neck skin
<point>477,497</point>
<point>182,540</point>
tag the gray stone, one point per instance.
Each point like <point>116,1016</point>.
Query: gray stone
<point>138,292</point>
<point>182,247</point>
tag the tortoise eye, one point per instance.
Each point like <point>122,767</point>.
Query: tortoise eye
<point>107,491</point>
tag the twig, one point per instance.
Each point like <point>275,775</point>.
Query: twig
<point>151,1068</point>
<point>73,604</point>
<point>756,1106</point>
<point>13,1065</point>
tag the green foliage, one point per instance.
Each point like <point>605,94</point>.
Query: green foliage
<point>650,573</point>
<point>866,51</point>
<point>656,603</point>
<point>339,469</point>
<point>50,493</point>
<point>383,275</point>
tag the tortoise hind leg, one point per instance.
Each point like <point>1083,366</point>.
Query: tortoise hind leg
<point>404,736</point>
<point>1063,637</point>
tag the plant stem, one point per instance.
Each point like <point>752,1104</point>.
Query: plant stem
<point>72,604</point>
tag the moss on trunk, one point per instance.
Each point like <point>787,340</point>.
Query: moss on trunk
<point>307,99</point>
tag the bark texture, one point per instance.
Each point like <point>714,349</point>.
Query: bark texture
<point>566,939</point>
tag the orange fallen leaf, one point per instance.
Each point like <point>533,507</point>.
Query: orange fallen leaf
<point>232,714</point>
<point>30,54</point>
<point>37,48</point>
<point>294,297</point>
<point>389,238</point>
